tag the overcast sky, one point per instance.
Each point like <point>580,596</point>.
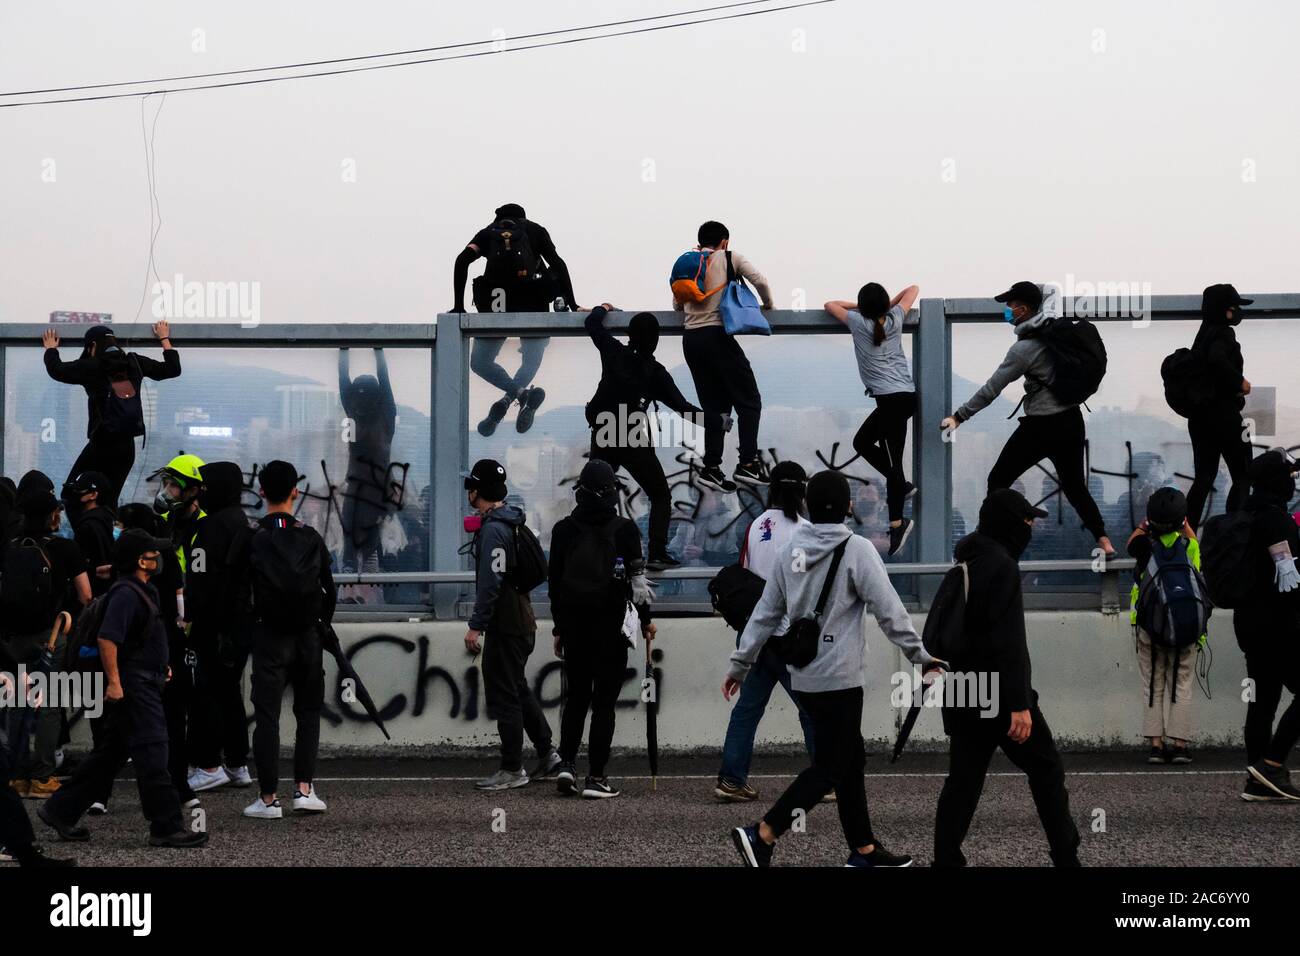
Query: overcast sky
<point>953,144</point>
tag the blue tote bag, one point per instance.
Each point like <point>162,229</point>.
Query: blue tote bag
<point>740,312</point>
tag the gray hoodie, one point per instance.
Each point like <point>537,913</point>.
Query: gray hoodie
<point>1027,358</point>
<point>495,601</point>
<point>861,584</point>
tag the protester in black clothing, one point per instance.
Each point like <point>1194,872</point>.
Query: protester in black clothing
<point>218,722</point>
<point>995,646</point>
<point>30,619</point>
<point>1216,428</point>
<point>524,273</point>
<point>368,401</point>
<point>1268,628</point>
<point>92,526</point>
<point>505,613</point>
<point>111,377</point>
<point>620,417</point>
<point>284,581</point>
<point>595,569</point>
<point>133,646</point>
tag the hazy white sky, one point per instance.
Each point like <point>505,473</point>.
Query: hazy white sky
<point>957,145</point>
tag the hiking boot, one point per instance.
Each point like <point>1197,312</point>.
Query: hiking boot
<point>34,857</point>
<point>1256,792</point>
<point>181,840</point>
<point>547,767</point>
<point>712,477</point>
<point>879,857</point>
<point>530,399</point>
<point>598,788</point>
<point>503,780</point>
<point>1277,779</point>
<point>662,562</point>
<point>728,791</point>
<point>496,412</point>
<point>71,833</point>
<point>201,780</point>
<point>753,851</point>
<point>898,535</point>
<point>42,789</point>
<point>566,780</point>
<point>752,473</point>
<point>1157,755</point>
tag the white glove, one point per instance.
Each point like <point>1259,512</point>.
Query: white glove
<point>180,608</point>
<point>1286,576</point>
<point>643,594</point>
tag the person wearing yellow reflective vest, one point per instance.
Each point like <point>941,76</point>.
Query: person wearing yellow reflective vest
<point>177,506</point>
<point>1167,672</point>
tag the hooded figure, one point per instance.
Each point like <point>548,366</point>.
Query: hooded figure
<point>370,493</point>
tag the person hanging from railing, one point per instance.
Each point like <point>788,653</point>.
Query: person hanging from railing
<point>524,273</point>
<point>876,322</point>
<point>622,432</point>
<point>111,377</point>
<point>1052,426</point>
<point>723,377</point>
<point>367,401</point>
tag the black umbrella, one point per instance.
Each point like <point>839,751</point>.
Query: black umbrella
<point>330,641</point>
<point>652,719</point>
<point>905,731</point>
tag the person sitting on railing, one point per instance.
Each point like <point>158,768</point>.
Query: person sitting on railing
<point>1050,428</point>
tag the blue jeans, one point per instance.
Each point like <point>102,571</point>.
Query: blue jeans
<point>738,748</point>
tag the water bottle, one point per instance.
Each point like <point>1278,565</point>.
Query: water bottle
<point>620,573</point>
<point>559,305</point>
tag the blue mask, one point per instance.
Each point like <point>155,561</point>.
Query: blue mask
<point>1008,316</point>
<point>117,532</point>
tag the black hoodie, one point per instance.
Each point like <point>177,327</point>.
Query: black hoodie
<point>90,373</point>
<point>629,376</point>
<point>572,612</point>
<point>995,628</point>
<point>1272,489</point>
<point>217,532</point>
<point>1216,344</point>
<point>93,532</point>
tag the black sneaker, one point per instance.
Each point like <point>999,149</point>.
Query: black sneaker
<point>598,788</point>
<point>530,399</point>
<point>566,781</point>
<point>1157,755</point>
<point>1178,755</point>
<point>754,473</point>
<point>712,477</point>
<point>497,412</point>
<point>1256,792</point>
<point>753,851</point>
<point>662,562</point>
<point>180,840</point>
<point>33,856</point>
<point>69,832</point>
<point>1277,779</point>
<point>879,857</point>
<point>898,536</point>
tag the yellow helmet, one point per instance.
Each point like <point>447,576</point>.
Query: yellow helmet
<point>184,468</point>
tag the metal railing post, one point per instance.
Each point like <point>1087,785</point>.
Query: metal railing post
<point>932,350</point>
<point>449,453</point>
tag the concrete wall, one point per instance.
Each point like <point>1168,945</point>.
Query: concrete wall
<point>1085,670</point>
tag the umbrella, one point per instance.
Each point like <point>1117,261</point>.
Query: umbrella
<point>905,731</point>
<point>330,640</point>
<point>652,719</point>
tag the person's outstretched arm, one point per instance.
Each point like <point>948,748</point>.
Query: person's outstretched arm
<point>345,383</point>
<point>871,582</point>
<point>460,275</point>
<point>69,373</point>
<point>839,308</point>
<point>170,366</point>
<point>385,385</point>
<point>906,299</point>
<point>1012,368</point>
<point>594,323</point>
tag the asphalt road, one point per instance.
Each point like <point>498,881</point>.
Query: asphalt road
<point>422,813</point>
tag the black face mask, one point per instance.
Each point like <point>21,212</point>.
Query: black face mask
<point>1010,532</point>
<point>1019,537</point>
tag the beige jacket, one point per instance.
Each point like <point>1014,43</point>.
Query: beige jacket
<point>701,314</point>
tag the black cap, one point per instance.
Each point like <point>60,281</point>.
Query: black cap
<point>828,498</point>
<point>277,479</point>
<point>596,476</point>
<point>488,478</point>
<point>1023,291</point>
<point>1004,502</point>
<point>788,473</point>
<point>511,210</point>
<point>1222,295</point>
<point>38,503</point>
<point>87,482</point>
<point>132,543</point>
<point>1274,472</point>
<point>1166,509</point>
<point>97,332</point>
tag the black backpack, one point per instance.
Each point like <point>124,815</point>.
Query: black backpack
<point>528,570</point>
<point>944,635</point>
<point>1185,376</point>
<point>285,564</point>
<point>510,252</point>
<point>85,633</point>
<point>123,412</point>
<point>735,591</point>
<point>589,567</point>
<point>1078,358</point>
<point>28,600</point>
<point>1229,573</point>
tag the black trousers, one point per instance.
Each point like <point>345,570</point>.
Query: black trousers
<point>1272,649</point>
<point>15,827</point>
<point>1059,438</point>
<point>112,456</point>
<point>289,658</point>
<point>838,762</point>
<point>595,663</point>
<point>134,727</point>
<point>881,441</point>
<point>1217,435</point>
<point>218,721</point>
<point>644,467</point>
<point>969,753</point>
<point>724,382</point>
<point>510,701</point>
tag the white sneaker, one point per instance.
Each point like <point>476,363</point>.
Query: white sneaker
<point>239,776</point>
<point>308,802</point>
<point>201,779</point>
<point>503,780</point>
<point>97,809</point>
<point>260,810</point>
<point>189,804</point>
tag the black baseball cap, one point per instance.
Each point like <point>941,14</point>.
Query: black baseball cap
<point>828,498</point>
<point>788,473</point>
<point>488,478</point>
<point>1007,501</point>
<point>1166,509</point>
<point>97,332</point>
<point>133,543</point>
<point>1023,291</point>
<point>1222,295</point>
<point>87,482</point>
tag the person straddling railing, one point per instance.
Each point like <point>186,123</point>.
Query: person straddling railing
<point>876,322</point>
